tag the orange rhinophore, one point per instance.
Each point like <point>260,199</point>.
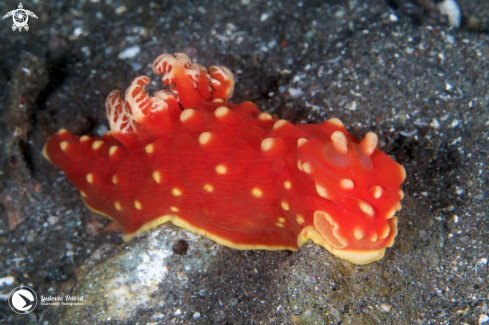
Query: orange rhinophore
<point>239,176</point>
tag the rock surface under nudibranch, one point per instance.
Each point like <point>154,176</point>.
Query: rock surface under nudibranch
<point>239,176</point>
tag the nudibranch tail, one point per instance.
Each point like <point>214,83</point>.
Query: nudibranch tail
<point>239,176</point>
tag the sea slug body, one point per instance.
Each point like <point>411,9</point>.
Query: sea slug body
<point>239,176</point>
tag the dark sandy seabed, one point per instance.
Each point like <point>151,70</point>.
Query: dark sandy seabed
<point>392,67</point>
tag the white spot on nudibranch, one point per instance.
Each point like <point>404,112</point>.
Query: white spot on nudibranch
<point>221,169</point>
<point>376,191</point>
<point>221,111</point>
<point>346,184</point>
<point>138,205</point>
<point>335,121</point>
<point>322,191</point>
<point>174,209</point>
<point>358,233</point>
<point>205,137</point>
<point>112,150</point>
<point>281,221</point>
<point>267,144</point>
<point>114,179</point>
<point>300,219</point>
<point>287,185</point>
<point>256,192</point>
<point>264,117</point>
<point>279,124</point>
<point>118,206</point>
<point>176,192</point>
<point>157,176</point>
<point>186,114</point>
<point>307,167</point>
<point>63,145</point>
<point>301,141</point>
<point>90,178</point>
<point>84,138</point>
<point>366,208</point>
<point>285,205</point>
<point>97,144</point>
<point>299,165</point>
<point>209,188</point>
<point>149,148</point>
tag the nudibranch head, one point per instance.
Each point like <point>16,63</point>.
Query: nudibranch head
<point>358,193</point>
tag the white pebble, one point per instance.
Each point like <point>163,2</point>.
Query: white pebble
<point>7,281</point>
<point>295,92</point>
<point>101,130</point>
<point>385,308</point>
<point>86,50</point>
<point>451,9</point>
<point>120,10</point>
<point>77,31</point>
<point>435,123</point>
<point>409,134</point>
<point>483,319</point>
<point>52,220</point>
<point>457,140</point>
<point>130,52</point>
<point>351,106</point>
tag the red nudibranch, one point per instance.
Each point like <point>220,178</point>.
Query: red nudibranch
<point>239,176</point>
